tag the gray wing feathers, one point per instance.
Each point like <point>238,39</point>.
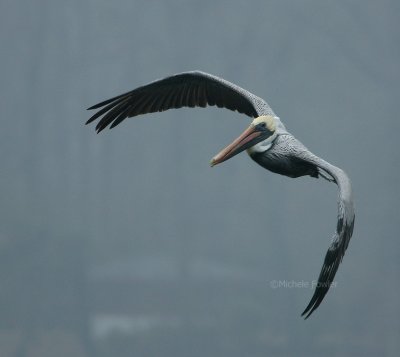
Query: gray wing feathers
<point>188,89</point>
<point>340,239</point>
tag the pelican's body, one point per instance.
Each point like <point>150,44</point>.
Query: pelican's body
<point>266,140</point>
<point>287,156</point>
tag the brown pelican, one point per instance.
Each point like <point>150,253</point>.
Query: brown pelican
<point>266,140</point>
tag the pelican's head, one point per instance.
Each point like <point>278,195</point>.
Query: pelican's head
<point>262,128</point>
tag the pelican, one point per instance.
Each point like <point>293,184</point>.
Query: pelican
<point>266,141</point>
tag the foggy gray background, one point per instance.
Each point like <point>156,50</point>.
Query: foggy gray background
<point>128,244</point>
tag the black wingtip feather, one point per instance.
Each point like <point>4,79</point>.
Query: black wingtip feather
<point>332,260</point>
<point>99,105</point>
<point>105,102</point>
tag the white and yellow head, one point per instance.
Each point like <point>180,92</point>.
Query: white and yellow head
<point>261,130</point>
<point>267,120</point>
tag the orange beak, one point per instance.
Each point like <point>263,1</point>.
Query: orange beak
<point>249,137</point>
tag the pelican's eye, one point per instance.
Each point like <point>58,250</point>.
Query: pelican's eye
<point>262,125</point>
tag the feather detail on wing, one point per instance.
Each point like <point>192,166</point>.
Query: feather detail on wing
<point>188,89</point>
<point>340,239</point>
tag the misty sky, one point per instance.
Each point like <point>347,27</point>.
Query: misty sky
<point>127,242</point>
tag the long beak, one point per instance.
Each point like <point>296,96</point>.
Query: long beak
<point>249,137</point>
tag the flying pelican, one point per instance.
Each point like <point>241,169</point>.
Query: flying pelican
<point>266,140</point>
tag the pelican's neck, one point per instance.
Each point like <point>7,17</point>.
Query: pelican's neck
<point>261,146</point>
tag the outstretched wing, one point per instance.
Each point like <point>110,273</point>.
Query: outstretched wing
<point>340,239</point>
<point>188,89</point>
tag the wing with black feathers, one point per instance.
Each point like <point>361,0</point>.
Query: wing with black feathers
<point>340,240</point>
<point>188,89</point>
